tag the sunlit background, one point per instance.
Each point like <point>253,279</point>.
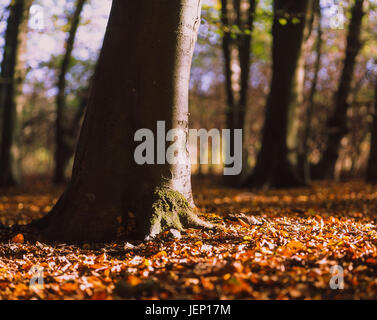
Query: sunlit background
<point>45,47</point>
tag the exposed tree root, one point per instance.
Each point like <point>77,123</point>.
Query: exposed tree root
<point>171,210</point>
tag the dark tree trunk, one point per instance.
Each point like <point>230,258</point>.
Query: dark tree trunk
<point>226,44</point>
<point>303,160</point>
<point>62,147</point>
<point>237,89</point>
<point>142,77</point>
<point>72,129</point>
<point>337,123</point>
<point>273,168</point>
<point>372,163</point>
<point>12,74</point>
<point>298,94</point>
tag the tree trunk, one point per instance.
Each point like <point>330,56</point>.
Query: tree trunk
<point>142,77</point>
<point>12,74</point>
<point>297,100</point>
<point>303,160</point>
<point>62,147</point>
<point>372,163</point>
<point>273,168</point>
<point>237,86</point>
<point>337,123</point>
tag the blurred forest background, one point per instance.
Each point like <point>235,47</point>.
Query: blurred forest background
<point>46,73</point>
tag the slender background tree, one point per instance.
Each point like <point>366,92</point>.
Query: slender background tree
<point>372,163</point>
<point>337,124</point>
<point>236,45</point>
<point>63,147</point>
<point>304,148</point>
<point>12,75</point>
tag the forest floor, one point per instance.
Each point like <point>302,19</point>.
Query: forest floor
<point>286,251</point>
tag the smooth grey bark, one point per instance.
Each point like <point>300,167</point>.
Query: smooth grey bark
<point>62,147</point>
<point>337,123</point>
<point>372,162</point>
<point>142,76</point>
<point>273,168</point>
<point>12,76</point>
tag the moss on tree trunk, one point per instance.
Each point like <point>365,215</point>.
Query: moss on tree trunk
<point>172,210</point>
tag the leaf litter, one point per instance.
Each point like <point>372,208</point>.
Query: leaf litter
<point>277,244</point>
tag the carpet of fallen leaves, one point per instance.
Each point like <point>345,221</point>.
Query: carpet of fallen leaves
<point>278,244</point>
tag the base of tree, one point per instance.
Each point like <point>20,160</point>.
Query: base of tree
<point>232,181</point>
<point>321,171</point>
<point>73,221</point>
<point>61,181</point>
<point>282,176</point>
<point>303,169</point>
<point>171,210</point>
<point>9,181</point>
<point>371,176</point>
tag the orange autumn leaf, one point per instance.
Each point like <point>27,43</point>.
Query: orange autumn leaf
<point>161,254</point>
<point>296,245</point>
<point>4,284</point>
<point>371,261</point>
<point>19,238</point>
<point>69,286</point>
<point>205,235</point>
<point>106,272</point>
<point>236,286</point>
<point>133,281</point>
<point>100,295</point>
<point>97,266</point>
<point>243,223</point>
